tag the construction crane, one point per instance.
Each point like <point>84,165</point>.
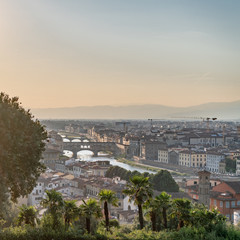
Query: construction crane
<point>152,128</point>
<point>208,120</point>
<point>204,119</point>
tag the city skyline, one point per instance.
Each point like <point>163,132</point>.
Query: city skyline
<point>91,53</point>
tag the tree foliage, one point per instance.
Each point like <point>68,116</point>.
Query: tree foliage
<point>55,207</point>
<point>139,190</point>
<point>21,147</point>
<point>164,202</point>
<point>230,165</point>
<point>27,215</point>
<point>107,197</point>
<point>163,181</point>
<point>90,209</point>
<point>71,212</point>
<point>116,171</point>
<point>181,210</point>
<point>198,221</point>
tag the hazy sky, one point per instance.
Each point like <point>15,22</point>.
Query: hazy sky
<point>63,53</point>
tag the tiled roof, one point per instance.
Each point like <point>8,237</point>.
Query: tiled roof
<point>234,185</point>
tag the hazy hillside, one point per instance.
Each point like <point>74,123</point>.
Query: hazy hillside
<point>220,110</point>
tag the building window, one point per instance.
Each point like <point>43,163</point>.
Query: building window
<point>221,203</point>
<point>227,204</point>
<point>228,216</point>
<point>233,203</point>
<point>215,203</point>
<point>238,203</point>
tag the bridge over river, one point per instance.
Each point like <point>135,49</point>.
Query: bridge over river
<point>95,147</point>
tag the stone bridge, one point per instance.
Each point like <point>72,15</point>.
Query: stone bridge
<point>95,147</point>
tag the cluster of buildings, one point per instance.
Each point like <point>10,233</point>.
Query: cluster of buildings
<point>82,168</point>
<point>223,195</point>
<point>192,147</point>
<point>78,180</point>
<point>212,160</point>
<point>81,188</point>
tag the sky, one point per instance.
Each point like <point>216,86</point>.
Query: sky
<point>58,53</point>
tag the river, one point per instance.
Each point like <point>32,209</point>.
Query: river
<point>87,156</point>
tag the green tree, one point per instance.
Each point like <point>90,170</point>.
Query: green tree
<point>27,215</point>
<point>152,208</point>
<point>200,216</point>
<point>107,197</point>
<point>71,212</point>
<point>139,190</point>
<point>55,206</point>
<point>164,202</point>
<point>89,209</point>
<point>21,147</point>
<point>230,165</point>
<point>157,208</point>
<point>163,181</point>
<point>181,210</point>
<point>5,206</point>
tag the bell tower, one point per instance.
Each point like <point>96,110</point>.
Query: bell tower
<point>204,187</point>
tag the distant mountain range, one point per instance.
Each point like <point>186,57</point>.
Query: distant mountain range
<point>221,110</point>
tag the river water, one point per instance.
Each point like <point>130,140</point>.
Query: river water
<point>87,156</point>
<point>114,162</point>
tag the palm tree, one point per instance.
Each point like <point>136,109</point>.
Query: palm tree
<point>139,190</point>
<point>152,208</point>
<point>55,204</point>
<point>27,215</point>
<point>164,202</point>
<point>107,197</point>
<point>181,209</point>
<point>71,212</point>
<point>89,209</point>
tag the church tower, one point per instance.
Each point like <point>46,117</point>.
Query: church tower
<point>204,187</point>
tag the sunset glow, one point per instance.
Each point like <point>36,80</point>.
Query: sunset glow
<point>86,53</point>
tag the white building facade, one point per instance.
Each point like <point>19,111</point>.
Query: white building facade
<point>213,161</point>
<point>163,156</point>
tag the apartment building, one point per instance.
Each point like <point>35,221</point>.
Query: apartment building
<point>185,158</point>
<point>226,198</point>
<point>163,155</point>
<point>198,159</point>
<point>213,160</point>
<point>151,149</point>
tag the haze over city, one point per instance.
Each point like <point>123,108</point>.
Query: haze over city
<point>88,53</point>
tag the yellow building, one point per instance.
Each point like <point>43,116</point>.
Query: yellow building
<point>198,159</point>
<point>185,158</point>
<point>192,159</point>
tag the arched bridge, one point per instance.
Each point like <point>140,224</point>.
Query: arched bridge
<point>95,147</point>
